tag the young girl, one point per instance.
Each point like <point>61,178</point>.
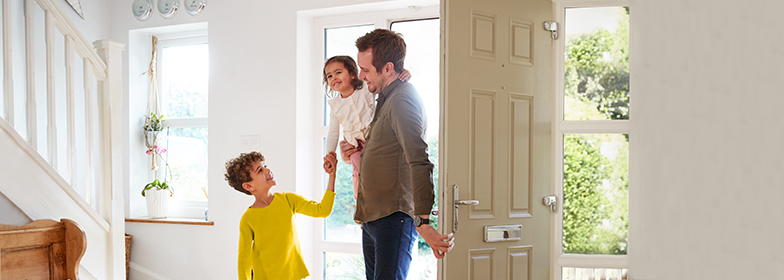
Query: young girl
<point>351,106</point>
<point>269,246</point>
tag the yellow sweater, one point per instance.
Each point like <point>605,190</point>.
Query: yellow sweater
<point>269,246</point>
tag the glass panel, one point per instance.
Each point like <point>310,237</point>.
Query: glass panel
<point>596,193</point>
<point>422,53</point>
<point>340,41</point>
<point>343,266</point>
<point>352,266</point>
<point>185,81</point>
<point>573,273</point>
<point>187,159</point>
<point>596,82</point>
<point>340,225</point>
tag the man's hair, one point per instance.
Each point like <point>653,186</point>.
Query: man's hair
<point>351,67</point>
<point>387,46</point>
<point>238,170</point>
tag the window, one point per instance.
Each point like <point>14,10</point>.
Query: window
<point>594,132</point>
<point>340,243</point>
<point>183,72</point>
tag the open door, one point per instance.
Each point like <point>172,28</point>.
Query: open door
<point>496,140</point>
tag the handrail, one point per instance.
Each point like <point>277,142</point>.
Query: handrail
<point>66,27</point>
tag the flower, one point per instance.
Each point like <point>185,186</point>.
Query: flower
<point>155,150</point>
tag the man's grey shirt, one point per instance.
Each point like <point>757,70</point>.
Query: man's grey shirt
<point>395,173</point>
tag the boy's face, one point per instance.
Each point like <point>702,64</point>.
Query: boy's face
<point>261,176</point>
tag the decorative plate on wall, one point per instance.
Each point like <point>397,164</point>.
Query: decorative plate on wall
<point>168,8</point>
<point>76,6</point>
<point>142,9</point>
<point>194,7</point>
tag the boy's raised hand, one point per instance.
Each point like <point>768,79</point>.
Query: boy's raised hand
<point>330,163</point>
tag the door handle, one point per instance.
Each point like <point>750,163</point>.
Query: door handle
<point>458,202</point>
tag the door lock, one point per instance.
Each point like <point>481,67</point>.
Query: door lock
<point>552,201</point>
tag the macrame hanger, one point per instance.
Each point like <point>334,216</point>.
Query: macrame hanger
<point>153,107</point>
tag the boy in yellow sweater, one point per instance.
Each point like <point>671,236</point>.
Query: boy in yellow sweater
<point>269,246</point>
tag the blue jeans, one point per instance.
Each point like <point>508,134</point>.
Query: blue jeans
<point>387,245</point>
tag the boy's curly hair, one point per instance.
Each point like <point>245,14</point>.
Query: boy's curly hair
<point>351,68</point>
<point>238,170</point>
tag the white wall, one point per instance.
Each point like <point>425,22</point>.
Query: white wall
<point>12,215</point>
<point>707,98</point>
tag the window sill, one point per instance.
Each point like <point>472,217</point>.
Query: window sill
<point>175,221</point>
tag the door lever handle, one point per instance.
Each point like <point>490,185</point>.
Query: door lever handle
<point>467,202</point>
<point>458,202</point>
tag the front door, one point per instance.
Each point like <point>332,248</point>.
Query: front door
<point>496,141</point>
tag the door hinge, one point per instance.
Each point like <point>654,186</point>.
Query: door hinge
<point>552,26</point>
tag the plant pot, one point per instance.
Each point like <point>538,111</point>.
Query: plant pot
<point>157,203</point>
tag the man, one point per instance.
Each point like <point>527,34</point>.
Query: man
<point>395,194</point>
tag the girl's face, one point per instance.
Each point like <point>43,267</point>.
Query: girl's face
<point>338,78</point>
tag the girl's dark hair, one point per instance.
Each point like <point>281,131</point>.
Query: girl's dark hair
<point>351,67</point>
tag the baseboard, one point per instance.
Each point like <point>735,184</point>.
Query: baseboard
<point>139,272</point>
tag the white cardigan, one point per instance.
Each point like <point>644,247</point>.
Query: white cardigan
<point>354,113</point>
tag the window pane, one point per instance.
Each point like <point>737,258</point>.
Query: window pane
<point>185,80</point>
<point>187,159</point>
<point>340,225</point>
<point>343,266</point>
<point>596,82</point>
<point>596,197</point>
<point>573,273</point>
<point>422,53</point>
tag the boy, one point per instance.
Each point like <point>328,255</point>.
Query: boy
<point>269,246</point>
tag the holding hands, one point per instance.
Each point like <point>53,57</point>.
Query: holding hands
<point>330,163</point>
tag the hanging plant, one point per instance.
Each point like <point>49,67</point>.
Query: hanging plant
<point>153,120</point>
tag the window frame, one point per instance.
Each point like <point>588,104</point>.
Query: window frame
<point>183,208</point>
<point>563,127</point>
<point>380,19</point>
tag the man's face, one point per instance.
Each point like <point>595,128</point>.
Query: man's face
<point>375,81</point>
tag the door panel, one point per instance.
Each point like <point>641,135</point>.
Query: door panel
<point>496,143</point>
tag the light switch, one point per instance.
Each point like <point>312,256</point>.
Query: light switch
<point>249,142</point>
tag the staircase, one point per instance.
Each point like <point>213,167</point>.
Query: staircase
<point>60,131</point>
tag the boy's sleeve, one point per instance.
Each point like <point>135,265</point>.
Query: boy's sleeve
<point>312,208</point>
<point>244,263</point>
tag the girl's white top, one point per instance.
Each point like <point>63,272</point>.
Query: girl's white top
<point>354,113</point>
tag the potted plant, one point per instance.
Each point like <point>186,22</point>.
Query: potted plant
<point>157,194</point>
<point>153,125</point>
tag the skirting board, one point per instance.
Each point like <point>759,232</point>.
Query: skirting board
<point>141,273</point>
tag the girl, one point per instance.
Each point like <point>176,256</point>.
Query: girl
<point>351,106</point>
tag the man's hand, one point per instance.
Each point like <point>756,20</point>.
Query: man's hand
<point>440,244</point>
<point>330,163</point>
<point>346,149</point>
